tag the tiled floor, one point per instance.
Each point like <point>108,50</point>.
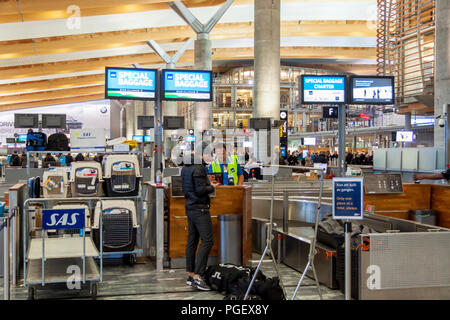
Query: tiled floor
<point>143,282</point>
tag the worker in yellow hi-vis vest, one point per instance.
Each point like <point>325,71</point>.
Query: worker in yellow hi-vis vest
<point>228,166</point>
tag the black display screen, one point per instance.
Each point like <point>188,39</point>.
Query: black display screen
<point>145,122</point>
<point>54,121</point>
<point>383,183</point>
<point>372,90</point>
<point>173,123</point>
<point>23,120</point>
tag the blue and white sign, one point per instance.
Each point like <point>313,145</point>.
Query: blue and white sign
<point>130,83</point>
<point>323,89</point>
<point>187,85</point>
<point>63,219</point>
<point>87,140</point>
<point>348,198</point>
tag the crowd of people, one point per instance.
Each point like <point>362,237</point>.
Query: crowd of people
<point>20,161</point>
<point>297,158</point>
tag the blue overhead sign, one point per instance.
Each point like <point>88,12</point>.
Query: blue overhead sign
<point>323,89</point>
<point>187,85</point>
<point>130,84</point>
<point>348,198</point>
<point>63,219</point>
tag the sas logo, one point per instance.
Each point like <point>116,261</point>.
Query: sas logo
<point>113,74</point>
<point>170,77</point>
<point>63,219</point>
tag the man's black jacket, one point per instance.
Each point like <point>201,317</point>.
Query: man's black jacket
<point>196,186</point>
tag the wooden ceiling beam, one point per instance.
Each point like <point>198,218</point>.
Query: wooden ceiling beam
<point>34,104</point>
<point>50,95</point>
<point>148,59</point>
<point>107,40</point>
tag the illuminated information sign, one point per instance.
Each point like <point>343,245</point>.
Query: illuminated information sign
<point>323,89</point>
<point>348,198</point>
<point>187,85</point>
<point>130,84</point>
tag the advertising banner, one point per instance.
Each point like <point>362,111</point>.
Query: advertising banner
<point>348,198</point>
<point>130,84</point>
<point>323,89</point>
<point>91,114</point>
<point>87,140</point>
<point>187,85</point>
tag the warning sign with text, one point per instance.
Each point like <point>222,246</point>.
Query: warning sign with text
<point>348,198</point>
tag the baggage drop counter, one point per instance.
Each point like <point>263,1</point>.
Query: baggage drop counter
<point>413,257</point>
<point>228,200</point>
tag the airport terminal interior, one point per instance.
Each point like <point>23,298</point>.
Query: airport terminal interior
<point>224,150</point>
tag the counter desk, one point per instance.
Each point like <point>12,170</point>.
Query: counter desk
<point>228,200</point>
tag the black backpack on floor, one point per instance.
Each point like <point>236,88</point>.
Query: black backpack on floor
<point>58,142</point>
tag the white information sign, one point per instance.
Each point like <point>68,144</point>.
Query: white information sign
<point>88,140</point>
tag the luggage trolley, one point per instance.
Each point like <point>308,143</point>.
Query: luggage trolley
<point>62,258</point>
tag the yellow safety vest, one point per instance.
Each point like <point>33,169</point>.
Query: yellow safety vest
<point>231,169</point>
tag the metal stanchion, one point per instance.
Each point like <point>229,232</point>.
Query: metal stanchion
<point>348,261</point>
<point>6,243</point>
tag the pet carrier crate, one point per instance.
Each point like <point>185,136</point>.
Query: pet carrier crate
<point>122,175</point>
<point>54,183</point>
<point>119,225</point>
<point>86,179</point>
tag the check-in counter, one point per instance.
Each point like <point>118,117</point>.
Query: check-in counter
<point>414,197</point>
<point>228,200</point>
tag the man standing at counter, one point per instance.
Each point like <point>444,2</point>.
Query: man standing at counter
<point>196,188</point>
<point>438,176</point>
<point>229,167</point>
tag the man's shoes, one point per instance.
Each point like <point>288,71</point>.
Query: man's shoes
<point>189,281</point>
<point>200,284</point>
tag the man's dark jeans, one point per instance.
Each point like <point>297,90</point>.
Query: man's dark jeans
<point>199,226</point>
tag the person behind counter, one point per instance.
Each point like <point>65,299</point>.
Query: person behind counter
<point>438,176</point>
<point>197,187</point>
<point>231,170</point>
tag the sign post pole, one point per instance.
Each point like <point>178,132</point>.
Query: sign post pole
<point>348,201</point>
<point>158,128</point>
<point>348,261</point>
<point>341,137</point>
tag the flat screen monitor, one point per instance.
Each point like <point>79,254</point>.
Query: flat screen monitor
<point>190,138</point>
<point>283,152</point>
<point>22,138</point>
<point>147,139</point>
<point>309,141</point>
<point>26,120</point>
<point>187,85</point>
<point>323,89</point>
<point>173,123</point>
<point>260,123</point>
<point>330,112</point>
<point>372,90</point>
<point>145,122</point>
<point>130,83</point>
<point>10,140</point>
<point>138,138</point>
<point>405,136</point>
<point>54,121</point>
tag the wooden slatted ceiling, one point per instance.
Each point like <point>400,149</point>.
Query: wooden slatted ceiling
<point>151,58</point>
<point>107,40</point>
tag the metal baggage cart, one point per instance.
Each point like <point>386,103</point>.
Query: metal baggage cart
<point>52,259</point>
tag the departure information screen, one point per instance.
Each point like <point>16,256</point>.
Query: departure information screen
<point>372,90</point>
<point>187,85</point>
<point>130,84</point>
<point>323,89</point>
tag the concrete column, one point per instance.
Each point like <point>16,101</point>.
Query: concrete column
<point>267,59</point>
<point>407,127</point>
<point>203,61</point>
<point>305,122</point>
<point>442,69</point>
<point>129,122</point>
